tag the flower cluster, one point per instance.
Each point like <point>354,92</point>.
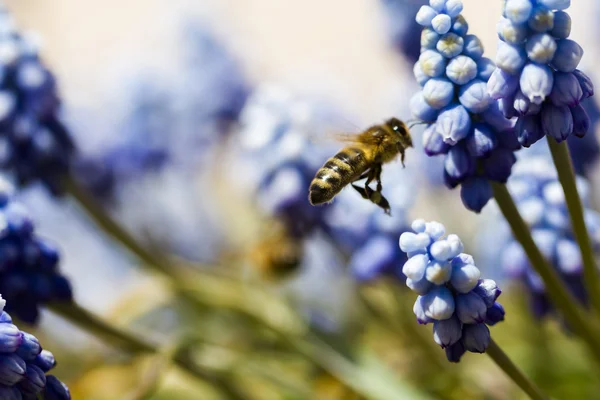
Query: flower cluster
<point>537,78</point>
<point>451,293</point>
<point>35,144</point>
<point>29,274</point>
<point>465,124</point>
<point>23,365</point>
<point>540,199</point>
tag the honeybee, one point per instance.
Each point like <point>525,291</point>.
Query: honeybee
<point>277,255</point>
<point>362,159</point>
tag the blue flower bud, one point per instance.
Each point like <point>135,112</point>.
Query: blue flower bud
<point>555,4</point>
<point>473,47</point>
<point>34,380</point>
<point>450,45</point>
<point>529,129</point>
<point>441,251</point>
<point>568,55</point>
<point>562,25</point>
<point>541,20</point>
<point>488,290</point>
<point>536,82</point>
<point>433,142</point>
<point>10,393</point>
<point>470,308</point>
<point>498,165</point>
<point>474,96</point>
<point>438,5</point>
<point>461,70</point>
<point>10,338</point>
<point>566,90</point>
<point>418,225</point>
<point>494,314</point>
<point>453,123</point>
<point>493,116</point>
<point>420,76</point>
<point>512,33</point>
<point>585,82</point>
<point>510,58</point>
<point>419,311</point>
<point>12,369</point>
<point>465,275</point>
<point>29,348</point>
<point>502,84</point>
<point>414,267</point>
<point>420,109</point>
<point>421,287</point>
<point>429,39</point>
<point>456,245</point>
<point>568,257</point>
<point>441,23</point>
<point>581,121</point>
<point>523,106</point>
<point>438,92</point>
<point>438,303</point>
<point>518,11</point>
<point>460,26</point>
<point>425,15</point>
<point>475,192</point>
<point>438,272</point>
<point>410,242</point>
<point>541,48</point>
<point>55,389</point>
<point>507,106</point>
<point>485,68</point>
<point>481,141</point>
<point>507,139</point>
<point>432,63</point>
<point>458,164</point>
<point>45,360</point>
<point>447,332</point>
<point>455,352</point>
<point>476,338</point>
<point>557,121</point>
<point>454,8</point>
<point>435,230</point>
<point>5,318</point>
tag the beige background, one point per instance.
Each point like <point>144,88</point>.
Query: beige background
<point>339,46</point>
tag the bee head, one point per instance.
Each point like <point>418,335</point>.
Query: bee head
<point>401,130</point>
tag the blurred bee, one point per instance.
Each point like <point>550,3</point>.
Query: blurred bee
<point>362,159</point>
<point>277,255</point>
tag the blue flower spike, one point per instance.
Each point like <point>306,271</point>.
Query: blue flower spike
<point>452,294</point>
<point>534,50</point>
<point>466,121</point>
<point>23,365</point>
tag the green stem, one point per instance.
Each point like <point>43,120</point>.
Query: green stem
<point>510,369</point>
<point>559,295</point>
<point>566,176</point>
<point>132,344</point>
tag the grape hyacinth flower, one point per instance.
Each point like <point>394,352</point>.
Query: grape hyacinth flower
<point>29,274</point>
<point>537,79</point>
<point>464,123</point>
<point>452,294</point>
<point>540,199</point>
<point>24,365</point>
<point>35,144</point>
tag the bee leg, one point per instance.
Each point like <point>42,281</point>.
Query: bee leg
<point>377,175</point>
<point>377,197</point>
<point>402,158</point>
<point>363,192</point>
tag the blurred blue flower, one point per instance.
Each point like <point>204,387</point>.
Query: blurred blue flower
<point>401,23</point>
<point>451,294</point>
<point>540,199</point>
<point>23,365</point>
<point>464,123</point>
<point>537,78</point>
<point>35,144</point>
<point>29,274</point>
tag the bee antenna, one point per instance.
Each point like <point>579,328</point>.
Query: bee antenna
<point>416,122</point>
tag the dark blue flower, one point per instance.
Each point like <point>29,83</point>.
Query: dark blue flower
<point>451,293</point>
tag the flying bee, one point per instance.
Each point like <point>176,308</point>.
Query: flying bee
<point>362,159</point>
<point>277,255</point>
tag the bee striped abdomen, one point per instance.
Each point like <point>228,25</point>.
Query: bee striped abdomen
<point>337,172</point>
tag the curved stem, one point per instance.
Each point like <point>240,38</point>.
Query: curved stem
<point>130,343</point>
<point>556,290</point>
<point>566,176</point>
<point>505,363</point>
